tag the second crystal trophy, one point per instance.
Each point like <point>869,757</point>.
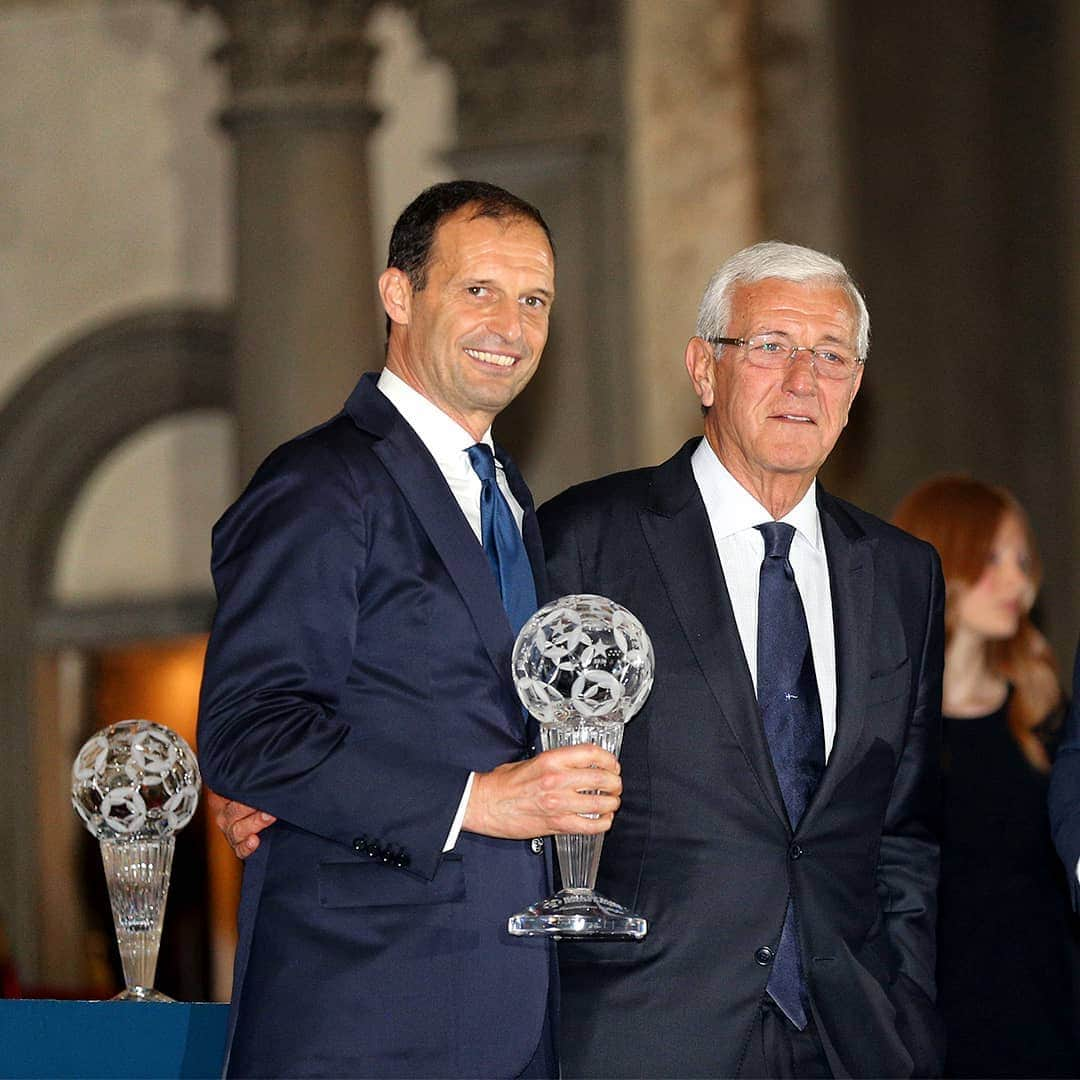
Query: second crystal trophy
<point>135,784</point>
<point>583,666</point>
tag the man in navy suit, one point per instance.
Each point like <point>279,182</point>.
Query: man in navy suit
<point>357,689</point>
<point>1065,791</point>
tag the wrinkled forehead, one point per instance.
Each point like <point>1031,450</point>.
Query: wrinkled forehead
<point>819,303</point>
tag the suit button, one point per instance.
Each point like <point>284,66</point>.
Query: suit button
<point>764,956</point>
<point>360,845</point>
<point>373,850</point>
<point>795,851</point>
<point>537,845</point>
<point>403,859</point>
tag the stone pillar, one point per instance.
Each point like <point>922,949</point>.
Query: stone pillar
<point>802,145</point>
<point>539,112</point>
<point>693,189</point>
<point>306,321</point>
<point>804,161</point>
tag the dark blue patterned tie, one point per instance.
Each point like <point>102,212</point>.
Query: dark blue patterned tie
<point>502,542</point>
<point>788,699</point>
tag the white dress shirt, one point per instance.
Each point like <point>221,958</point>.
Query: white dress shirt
<point>448,443</point>
<point>733,514</point>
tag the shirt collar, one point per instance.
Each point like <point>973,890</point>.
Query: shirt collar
<point>732,508</point>
<point>447,441</point>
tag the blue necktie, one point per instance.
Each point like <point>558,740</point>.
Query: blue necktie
<point>788,700</point>
<point>502,542</point>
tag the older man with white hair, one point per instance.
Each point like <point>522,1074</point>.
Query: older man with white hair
<point>779,787</point>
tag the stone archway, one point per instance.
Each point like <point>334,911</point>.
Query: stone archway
<point>76,407</point>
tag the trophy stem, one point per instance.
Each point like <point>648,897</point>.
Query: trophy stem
<point>577,910</point>
<point>579,859</point>
<point>137,873</point>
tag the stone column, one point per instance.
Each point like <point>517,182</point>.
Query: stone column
<point>801,142</point>
<point>305,295</point>
<point>804,161</point>
<point>693,187</point>
<point>539,112</point>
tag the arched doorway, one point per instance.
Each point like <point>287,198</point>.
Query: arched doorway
<point>60,425</point>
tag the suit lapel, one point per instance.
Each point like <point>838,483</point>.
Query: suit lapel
<point>851,584</point>
<point>424,488</point>
<point>677,530</point>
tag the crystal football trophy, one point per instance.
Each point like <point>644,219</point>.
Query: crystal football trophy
<point>582,666</point>
<point>135,784</point>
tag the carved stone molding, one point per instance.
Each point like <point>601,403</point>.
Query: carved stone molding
<point>296,60</point>
<point>526,72</point>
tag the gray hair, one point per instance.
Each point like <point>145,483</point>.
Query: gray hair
<point>789,262</point>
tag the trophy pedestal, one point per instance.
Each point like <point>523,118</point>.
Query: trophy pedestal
<point>142,993</point>
<point>578,913</point>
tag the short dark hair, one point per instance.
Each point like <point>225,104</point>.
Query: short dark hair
<point>414,230</point>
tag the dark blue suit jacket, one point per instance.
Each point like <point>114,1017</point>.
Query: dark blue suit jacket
<point>1065,790</point>
<point>358,669</point>
<point>702,845</point>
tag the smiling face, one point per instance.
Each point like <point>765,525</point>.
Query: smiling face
<point>992,606</point>
<point>773,429</point>
<point>471,339</point>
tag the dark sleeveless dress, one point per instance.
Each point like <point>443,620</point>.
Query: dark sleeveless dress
<point>1005,928</point>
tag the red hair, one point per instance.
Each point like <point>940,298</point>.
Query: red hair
<point>961,517</point>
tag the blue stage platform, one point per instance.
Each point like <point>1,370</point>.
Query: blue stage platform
<point>115,1039</point>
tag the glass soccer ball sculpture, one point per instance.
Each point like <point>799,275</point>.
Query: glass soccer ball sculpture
<point>135,785</point>
<point>583,666</point>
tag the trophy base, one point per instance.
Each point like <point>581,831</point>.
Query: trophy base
<point>578,913</point>
<point>141,993</point>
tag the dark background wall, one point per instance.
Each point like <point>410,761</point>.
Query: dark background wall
<point>958,119</point>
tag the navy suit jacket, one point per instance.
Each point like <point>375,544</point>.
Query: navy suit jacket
<point>702,846</point>
<point>1065,790</point>
<point>358,669</point>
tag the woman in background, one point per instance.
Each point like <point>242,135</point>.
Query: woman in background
<point>1004,938</point>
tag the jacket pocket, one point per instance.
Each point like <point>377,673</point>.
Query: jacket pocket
<point>363,884</point>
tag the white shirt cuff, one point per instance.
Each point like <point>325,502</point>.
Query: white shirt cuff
<point>459,817</point>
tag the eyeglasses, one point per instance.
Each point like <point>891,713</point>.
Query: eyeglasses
<point>775,351</point>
